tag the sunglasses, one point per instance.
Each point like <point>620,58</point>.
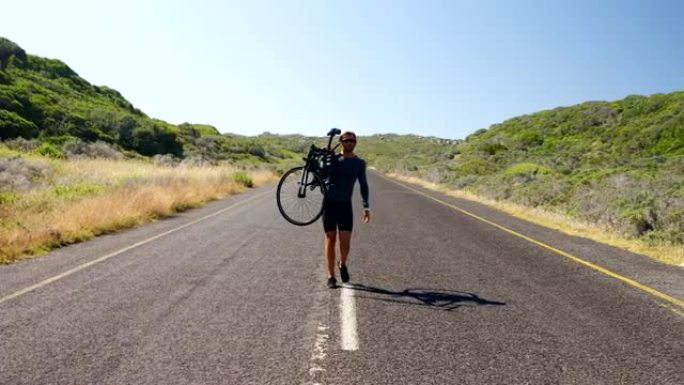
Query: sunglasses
<point>348,141</point>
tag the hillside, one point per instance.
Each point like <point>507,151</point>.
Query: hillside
<point>620,164</point>
<point>42,98</point>
<point>45,102</point>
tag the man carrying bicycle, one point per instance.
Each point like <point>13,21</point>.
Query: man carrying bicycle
<point>337,207</point>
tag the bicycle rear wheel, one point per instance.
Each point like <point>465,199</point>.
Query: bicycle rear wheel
<point>300,196</point>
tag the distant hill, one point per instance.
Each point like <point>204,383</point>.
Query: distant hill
<point>45,101</point>
<point>43,98</point>
<point>619,163</point>
<point>593,132</point>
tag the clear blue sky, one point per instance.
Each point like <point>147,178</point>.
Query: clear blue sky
<point>439,68</point>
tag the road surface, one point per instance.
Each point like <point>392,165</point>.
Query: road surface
<point>443,291</point>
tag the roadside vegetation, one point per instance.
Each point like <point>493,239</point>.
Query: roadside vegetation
<point>70,151</point>
<point>78,160</point>
<point>47,203</point>
<point>667,252</point>
<point>613,168</point>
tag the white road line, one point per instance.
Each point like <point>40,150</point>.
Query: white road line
<point>125,249</point>
<point>316,369</point>
<point>350,339</point>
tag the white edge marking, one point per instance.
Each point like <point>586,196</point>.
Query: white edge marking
<point>316,370</point>
<point>125,249</point>
<point>350,339</point>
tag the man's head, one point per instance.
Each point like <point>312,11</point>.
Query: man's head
<point>348,137</point>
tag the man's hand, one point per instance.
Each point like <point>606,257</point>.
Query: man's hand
<point>366,215</point>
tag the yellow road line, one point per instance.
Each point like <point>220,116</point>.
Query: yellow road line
<point>594,266</point>
<point>121,251</point>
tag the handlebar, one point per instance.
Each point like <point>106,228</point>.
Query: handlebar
<point>315,151</point>
<point>331,134</point>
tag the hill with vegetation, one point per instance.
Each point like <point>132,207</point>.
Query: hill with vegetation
<point>617,163</point>
<point>78,160</point>
<point>46,107</point>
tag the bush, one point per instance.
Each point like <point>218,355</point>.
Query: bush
<point>463,182</point>
<point>206,147</point>
<point>194,161</point>
<point>10,52</point>
<point>18,174</point>
<point>493,188</point>
<point>525,172</point>
<point>80,149</point>
<point>166,160</point>
<point>75,191</point>
<point>7,197</point>
<point>476,134</point>
<point>473,166</point>
<point>491,148</point>
<point>544,191</point>
<point>49,149</point>
<point>242,178</point>
<point>633,204</point>
<point>153,139</point>
<point>21,144</point>
<point>257,150</point>
<point>13,125</point>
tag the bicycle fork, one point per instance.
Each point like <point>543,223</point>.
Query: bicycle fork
<point>301,192</point>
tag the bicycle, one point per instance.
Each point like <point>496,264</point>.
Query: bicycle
<point>301,190</point>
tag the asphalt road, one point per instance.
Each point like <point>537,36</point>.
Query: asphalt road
<point>233,294</point>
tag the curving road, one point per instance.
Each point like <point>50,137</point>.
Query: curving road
<point>443,291</point>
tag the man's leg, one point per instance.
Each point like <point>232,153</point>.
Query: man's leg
<point>330,251</point>
<point>345,241</point>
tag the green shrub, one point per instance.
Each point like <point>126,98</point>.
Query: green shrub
<point>75,191</point>
<point>155,139</point>
<point>242,178</point>
<point>7,197</point>
<point>526,171</point>
<point>476,134</point>
<point>13,125</point>
<point>48,149</point>
<point>491,148</point>
<point>11,53</point>
<point>544,190</point>
<point>473,166</point>
<point>493,187</point>
<point>60,140</point>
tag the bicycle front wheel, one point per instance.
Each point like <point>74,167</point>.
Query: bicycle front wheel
<point>300,196</point>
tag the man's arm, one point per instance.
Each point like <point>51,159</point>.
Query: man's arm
<point>364,185</point>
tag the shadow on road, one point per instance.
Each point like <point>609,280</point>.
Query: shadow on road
<point>440,299</point>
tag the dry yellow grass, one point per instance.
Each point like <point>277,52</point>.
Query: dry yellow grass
<point>262,177</point>
<point>100,196</point>
<point>669,254</point>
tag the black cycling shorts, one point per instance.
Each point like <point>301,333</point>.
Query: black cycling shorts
<point>337,215</point>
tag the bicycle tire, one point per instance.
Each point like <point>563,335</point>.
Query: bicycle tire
<point>298,210</point>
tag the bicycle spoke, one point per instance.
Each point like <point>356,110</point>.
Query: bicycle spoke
<point>305,208</point>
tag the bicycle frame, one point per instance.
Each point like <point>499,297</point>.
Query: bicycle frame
<point>312,158</point>
<point>306,179</point>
